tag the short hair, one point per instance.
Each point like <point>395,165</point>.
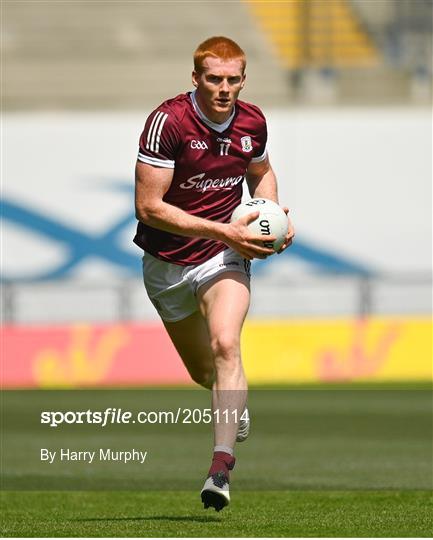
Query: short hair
<point>218,47</point>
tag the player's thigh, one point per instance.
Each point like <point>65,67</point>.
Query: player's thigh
<point>224,303</point>
<point>190,336</point>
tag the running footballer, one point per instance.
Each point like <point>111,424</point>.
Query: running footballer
<point>195,153</point>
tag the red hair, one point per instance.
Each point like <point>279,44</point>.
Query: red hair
<point>218,47</point>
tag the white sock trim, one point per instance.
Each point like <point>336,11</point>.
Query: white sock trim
<point>222,448</point>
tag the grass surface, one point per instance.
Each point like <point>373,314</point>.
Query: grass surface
<point>319,462</point>
<point>178,514</point>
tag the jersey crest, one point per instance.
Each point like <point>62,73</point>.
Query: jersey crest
<point>246,143</point>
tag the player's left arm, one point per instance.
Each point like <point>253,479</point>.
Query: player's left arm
<point>262,182</point>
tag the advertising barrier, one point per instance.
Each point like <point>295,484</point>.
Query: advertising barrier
<point>274,352</point>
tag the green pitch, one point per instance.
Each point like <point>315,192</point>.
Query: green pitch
<point>348,461</point>
<point>268,514</point>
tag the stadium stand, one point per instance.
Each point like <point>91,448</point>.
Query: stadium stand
<point>91,55</point>
<point>98,55</point>
<point>369,52</point>
<point>315,34</point>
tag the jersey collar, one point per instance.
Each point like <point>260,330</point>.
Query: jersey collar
<point>217,127</point>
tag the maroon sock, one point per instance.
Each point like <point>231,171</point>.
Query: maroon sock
<point>222,462</point>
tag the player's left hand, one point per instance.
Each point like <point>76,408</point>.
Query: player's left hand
<point>290,233</point>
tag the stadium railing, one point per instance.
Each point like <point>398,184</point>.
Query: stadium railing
<point>308,295</point>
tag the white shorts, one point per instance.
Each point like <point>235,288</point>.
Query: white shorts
<point>172,288</point>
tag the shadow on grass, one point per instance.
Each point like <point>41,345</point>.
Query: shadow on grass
<point>197,519</point>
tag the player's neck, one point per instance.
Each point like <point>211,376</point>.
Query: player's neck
<point>217,118</point>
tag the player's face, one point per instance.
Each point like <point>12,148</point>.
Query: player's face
<point>218,87</point>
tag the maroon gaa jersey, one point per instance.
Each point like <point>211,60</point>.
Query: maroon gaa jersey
<point>209,162</point>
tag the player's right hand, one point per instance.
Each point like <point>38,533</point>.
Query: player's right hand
<point>238,236</point>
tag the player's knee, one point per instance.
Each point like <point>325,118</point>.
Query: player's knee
<point>225,347</point>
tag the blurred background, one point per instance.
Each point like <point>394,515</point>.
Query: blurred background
<point>346,89</point>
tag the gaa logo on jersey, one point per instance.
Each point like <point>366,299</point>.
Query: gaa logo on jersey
<point>247,145</point>
<point>199,145</point>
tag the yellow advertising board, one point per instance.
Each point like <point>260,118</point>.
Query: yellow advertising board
<point>371,349</point>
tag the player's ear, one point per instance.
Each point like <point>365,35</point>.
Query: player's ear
<point>195,78</point>
<point>244,76</point>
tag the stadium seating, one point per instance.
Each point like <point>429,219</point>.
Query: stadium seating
<point>351,51</point>
<point>114,54</point>
<point>122,54</point>
<point>315,33</point>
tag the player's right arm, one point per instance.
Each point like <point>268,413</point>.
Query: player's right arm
<point>152,183</point>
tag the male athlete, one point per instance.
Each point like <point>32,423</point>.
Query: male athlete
<point>195,152</point>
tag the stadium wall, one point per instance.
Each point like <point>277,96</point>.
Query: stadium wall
<point>358,182</point>
<point>275,352</point>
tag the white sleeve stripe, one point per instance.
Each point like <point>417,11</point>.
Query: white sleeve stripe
<point>158,137</point>
<point>156,131</point>
<point>149,134</point>
<point>152,135</point>
<point>166,163</point>
<point>260,158</point>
